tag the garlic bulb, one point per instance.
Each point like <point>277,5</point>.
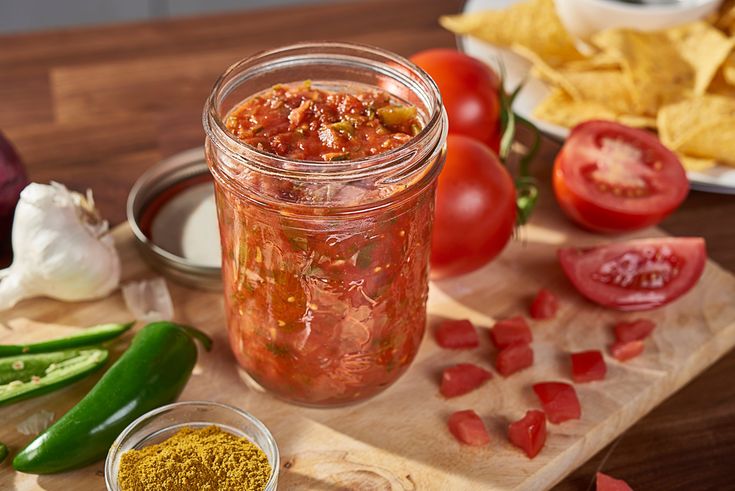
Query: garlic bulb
<point>61,248</point>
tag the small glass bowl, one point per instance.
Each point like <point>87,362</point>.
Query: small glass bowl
<point>161,423</point>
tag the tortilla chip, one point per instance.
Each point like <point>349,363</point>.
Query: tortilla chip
<point>533,24</point>
<point>725,18</point>
<point>637,121</point>
<point>605,87</point>
<point>728,69</point>
<point>695,164</point>
<point>702,127</point>
<point>545,72</point>
<point>715,141</point>
<point>656,73</point>
<point>597,61</point>
<point>720,86</point>
<point>677,121</point>
<point>704,48</point>
<point>561,109</point>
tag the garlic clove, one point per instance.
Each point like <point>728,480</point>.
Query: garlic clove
<point>149,300</point>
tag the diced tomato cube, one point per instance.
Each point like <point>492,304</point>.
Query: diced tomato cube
<point>626,350</point>
<point>559,401</point>
<point>588,366</point>
<point>508,331</point>
<point>607,483</point>
<point>514,358</point>
<point>457,334</point>
<point>634,330</point>
<point>468,428</point>
<point>462,378</point>
<point>529,433</point>
<point>545,305</point>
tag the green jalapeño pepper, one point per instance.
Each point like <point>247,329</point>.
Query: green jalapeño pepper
<point>3,452</point>
<point>27,376</point>
<point>89,336</point>
<point>151,373</point>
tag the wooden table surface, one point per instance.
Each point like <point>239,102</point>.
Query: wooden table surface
<point>95,107</point>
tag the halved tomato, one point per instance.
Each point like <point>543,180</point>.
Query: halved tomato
<point>462,378</point>
<point>609,177</point>
<point>468,428</point>
<point>457,334</point>
<point>636,275</point>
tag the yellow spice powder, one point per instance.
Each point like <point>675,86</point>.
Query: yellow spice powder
<point>196,459</point>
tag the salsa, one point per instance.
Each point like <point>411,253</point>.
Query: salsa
<point>324,308</point>
<point>306,123</point>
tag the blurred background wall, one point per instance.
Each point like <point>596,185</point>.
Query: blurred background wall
<point>31,15</point>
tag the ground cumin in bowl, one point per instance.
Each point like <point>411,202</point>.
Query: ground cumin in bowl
<point>190,446</point>
<point>207,458</point>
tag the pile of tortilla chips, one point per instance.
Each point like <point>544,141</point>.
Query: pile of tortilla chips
<point>678,81</point>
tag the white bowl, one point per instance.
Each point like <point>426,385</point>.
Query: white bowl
<point>582,18</point>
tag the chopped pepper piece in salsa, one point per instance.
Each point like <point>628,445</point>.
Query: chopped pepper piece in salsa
<point>302,122</point>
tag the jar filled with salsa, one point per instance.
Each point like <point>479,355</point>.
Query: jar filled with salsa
<point>325,158</point>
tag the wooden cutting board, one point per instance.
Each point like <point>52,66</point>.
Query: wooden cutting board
<point>399,440</point>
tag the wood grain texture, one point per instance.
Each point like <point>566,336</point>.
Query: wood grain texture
<point>399,440</point>
<point>685,443</point>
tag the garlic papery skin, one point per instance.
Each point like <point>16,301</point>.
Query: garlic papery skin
<point>61,248</point>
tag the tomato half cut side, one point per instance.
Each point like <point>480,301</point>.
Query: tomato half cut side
<point>609,177</point>
<point>636,275</point>
<point>529,433</point>
<point>468,428</point>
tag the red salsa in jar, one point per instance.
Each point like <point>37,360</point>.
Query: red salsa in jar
<point>325,270</point>
<point>306,123</point>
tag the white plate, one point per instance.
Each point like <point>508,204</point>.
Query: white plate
<point>719,179</point>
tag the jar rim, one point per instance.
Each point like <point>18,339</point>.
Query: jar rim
<point>425,142</point>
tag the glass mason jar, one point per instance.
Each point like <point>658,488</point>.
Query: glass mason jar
<point>325,264</point>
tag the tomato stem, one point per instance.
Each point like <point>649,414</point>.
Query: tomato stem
<point>526,189</point>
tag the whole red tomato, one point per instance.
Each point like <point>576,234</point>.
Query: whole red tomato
<point>475,208</point>
<point>469,90</point>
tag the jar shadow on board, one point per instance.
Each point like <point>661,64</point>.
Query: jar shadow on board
<point>325,263</point>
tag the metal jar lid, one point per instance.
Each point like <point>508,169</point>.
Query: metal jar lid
<point>171,210</point>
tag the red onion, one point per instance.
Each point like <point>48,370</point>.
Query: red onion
<point>13,179</point>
